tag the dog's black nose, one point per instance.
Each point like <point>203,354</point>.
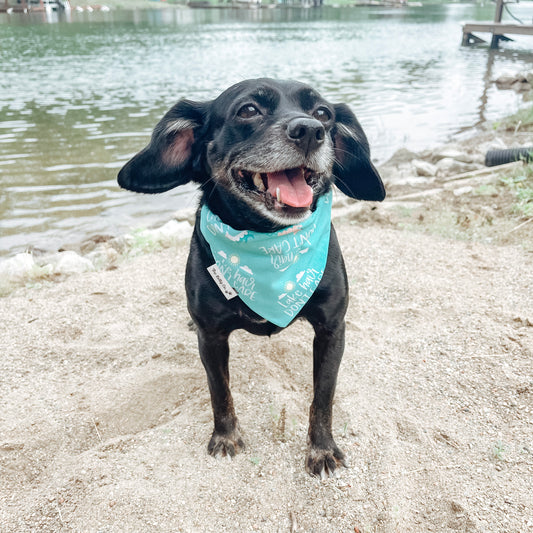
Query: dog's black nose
<point>307,133</point>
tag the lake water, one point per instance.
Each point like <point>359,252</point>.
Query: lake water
<point>79,97</point>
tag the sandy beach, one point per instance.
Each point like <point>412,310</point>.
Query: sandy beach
<point>105,413</point>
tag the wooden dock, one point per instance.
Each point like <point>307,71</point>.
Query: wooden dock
<point>498,29</point>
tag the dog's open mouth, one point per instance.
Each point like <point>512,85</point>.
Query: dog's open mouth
<point>290,187</point>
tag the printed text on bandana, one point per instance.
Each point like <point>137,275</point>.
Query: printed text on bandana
<point>292,302</point>
<point>276,273</point>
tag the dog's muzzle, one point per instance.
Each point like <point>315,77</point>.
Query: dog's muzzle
<point>307,133</point>
<point>290,187</point>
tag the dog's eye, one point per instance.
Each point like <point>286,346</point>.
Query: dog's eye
<point>322,114</point>
<point>248,111</point>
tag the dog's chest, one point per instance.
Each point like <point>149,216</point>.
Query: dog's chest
<point>274,274</point>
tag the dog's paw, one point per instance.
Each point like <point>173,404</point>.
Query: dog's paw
<point>324,463</point>
<point>225,445</point>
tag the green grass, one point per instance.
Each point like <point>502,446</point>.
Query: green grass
<point>142,243</point>
<point>521,185</point>
<point>498,451</point>
<point>522,120</point>
<point>32,279</point>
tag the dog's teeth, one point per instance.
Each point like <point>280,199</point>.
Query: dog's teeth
<point>278,195</point>
<point>258,181</point>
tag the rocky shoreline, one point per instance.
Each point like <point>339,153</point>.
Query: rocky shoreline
<point>407,175</point>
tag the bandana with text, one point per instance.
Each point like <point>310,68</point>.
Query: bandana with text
<point>276,273</point>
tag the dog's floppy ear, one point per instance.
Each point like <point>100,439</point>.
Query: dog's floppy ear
<point>172,156</point>
<point>355,175</point>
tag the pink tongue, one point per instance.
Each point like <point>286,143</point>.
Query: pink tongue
<point>293,189</point>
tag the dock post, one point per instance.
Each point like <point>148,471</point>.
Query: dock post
<point>497,18</point>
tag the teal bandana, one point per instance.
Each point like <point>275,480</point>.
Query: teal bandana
<point>276,273</point>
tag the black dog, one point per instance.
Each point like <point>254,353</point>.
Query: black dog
<point>264,152</point>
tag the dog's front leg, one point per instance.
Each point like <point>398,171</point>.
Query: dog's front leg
<point>323,455</point>
<point>214,352</point>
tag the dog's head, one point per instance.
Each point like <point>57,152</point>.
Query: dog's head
<point>263,150</point>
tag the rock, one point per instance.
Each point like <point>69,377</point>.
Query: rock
<point>393,174</point>
<point>478,159</point>
<point>424,154</point>
<point>423,168</point>
<point>496,143</point>
<point>103,256</point>
<point>403,155</point>
<point>120,243</point>
<point>90,244</point>
<point>517,82</point>
<point>21,268</point>
<point>70,262</point>
<point>463,190</point>
<point>453,154</point>
<point>505,81</point>
<point>169,233</point>
<point>521,86</point>
<point>188,214</point>
<point>448,166</point>
<point>17,268</point>
<point>389,173</point>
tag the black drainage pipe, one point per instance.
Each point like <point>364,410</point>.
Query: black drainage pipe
<point>500,157</point>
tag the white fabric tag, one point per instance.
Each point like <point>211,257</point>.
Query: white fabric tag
<point>226,289</point>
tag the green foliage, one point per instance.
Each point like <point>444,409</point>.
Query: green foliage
<point>344,429</point>
<point>498,450</point>
<point>143,243</point>
<point>521,184</point>
<point>522,120</point>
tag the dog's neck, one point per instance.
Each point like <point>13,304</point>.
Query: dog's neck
<point>274,273</point>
